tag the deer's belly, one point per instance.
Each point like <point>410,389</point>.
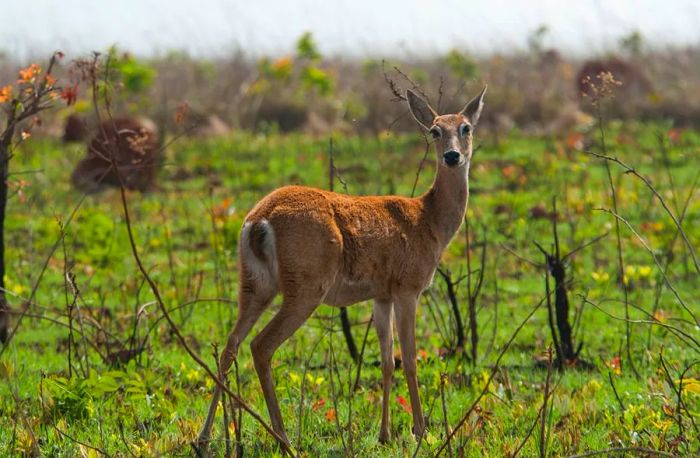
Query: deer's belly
<point>345,292</point>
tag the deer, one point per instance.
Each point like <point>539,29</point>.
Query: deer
<point>315,246</point>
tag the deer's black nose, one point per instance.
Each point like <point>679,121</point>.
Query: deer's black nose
<point>451,158</point>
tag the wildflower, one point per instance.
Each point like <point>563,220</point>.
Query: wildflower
<point>615,365</point>
<point>330,415</point>
<point>644,271</point>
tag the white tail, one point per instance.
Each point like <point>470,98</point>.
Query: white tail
<point>314,247</point>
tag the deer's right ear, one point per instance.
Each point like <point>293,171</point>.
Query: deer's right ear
<point>421,111</point>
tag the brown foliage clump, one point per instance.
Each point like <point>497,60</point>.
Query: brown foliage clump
<point>131,144</point>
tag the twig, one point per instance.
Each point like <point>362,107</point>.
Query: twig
<point>656,261</point>
<point>362,353</point>
<point>443,380</point>
<point>544,431</point>
<point>420,167</point>
<point>617,396</point>
<point>452,296</point>
<point>674,329</point>
<point>648,184</point>
<point>84,444</point>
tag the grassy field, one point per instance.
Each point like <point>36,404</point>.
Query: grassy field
<point>70,396</point>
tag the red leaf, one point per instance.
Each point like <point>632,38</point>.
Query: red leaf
<point>318,404</point>
<point>70,94</point>
<point>404,404</point>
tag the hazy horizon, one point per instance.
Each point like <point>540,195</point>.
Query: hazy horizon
<point>361,28</point>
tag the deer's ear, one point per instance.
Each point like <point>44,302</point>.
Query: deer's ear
<point>472,110</point>
<point>421,111</point>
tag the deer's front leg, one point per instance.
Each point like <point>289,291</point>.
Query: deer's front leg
<point>405,311</point>
<point>382,322</point>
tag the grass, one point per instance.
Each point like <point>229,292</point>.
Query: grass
<point>187,232</point>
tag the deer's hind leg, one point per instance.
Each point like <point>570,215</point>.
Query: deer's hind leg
<point>295,310</point>
<point>253,299</point>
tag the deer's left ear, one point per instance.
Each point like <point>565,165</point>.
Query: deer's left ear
<point>472,110</point>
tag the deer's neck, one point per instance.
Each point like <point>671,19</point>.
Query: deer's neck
<point>446,201</point>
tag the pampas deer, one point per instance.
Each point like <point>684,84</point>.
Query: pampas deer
<point>315,246</point>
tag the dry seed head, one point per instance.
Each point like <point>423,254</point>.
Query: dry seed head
<point>603,89</point>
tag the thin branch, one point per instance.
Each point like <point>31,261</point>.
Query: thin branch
<point>648,184</point>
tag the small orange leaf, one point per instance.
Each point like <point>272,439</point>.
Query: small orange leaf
<point>26,75</point>
<point>5,93</point>
<point>181,113</point>
<point>674,135</point>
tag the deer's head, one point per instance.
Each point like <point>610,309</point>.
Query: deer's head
<point>452,133</point>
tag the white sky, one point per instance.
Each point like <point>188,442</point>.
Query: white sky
<point>358,28</point>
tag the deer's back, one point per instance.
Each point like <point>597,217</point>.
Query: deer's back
<point>381,242</point>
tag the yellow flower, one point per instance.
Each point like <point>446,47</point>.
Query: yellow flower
<point>15,288</point>
<point>690,385</point>
<point>600,276</point>
<point>644,271</point>
<point>314,380</point>
<point>660,316</point>
<point>192,375</point>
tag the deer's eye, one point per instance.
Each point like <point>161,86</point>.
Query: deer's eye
<point>436,132</point>
<point>464,130</point>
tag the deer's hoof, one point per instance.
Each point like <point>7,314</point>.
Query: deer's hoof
<point>418,430</point>
<point>384,437</point>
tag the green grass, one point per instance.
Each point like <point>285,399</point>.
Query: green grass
<point>187,234</point>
